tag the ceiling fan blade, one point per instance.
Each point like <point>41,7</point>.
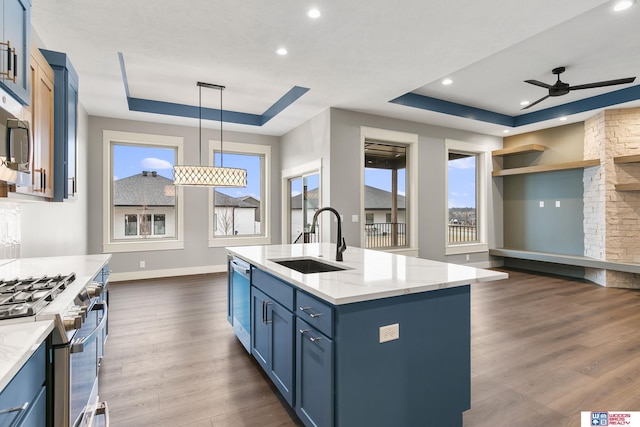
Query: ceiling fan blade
<point>604,83</point>
<point>534,103</point>
<point>538,83</point>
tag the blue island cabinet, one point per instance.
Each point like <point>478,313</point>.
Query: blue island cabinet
<point>344,375</point>
<point>23,403</point>
<point>272,326</point>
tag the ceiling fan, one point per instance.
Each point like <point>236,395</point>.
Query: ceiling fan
<point>560,88</point>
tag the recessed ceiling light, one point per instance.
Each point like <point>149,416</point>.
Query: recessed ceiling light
<point>313,13</point>
<point>623,5</point>
<point>447,82</point>
<point>524,103</point>
<point>282,51</point>
<point>562,119</point>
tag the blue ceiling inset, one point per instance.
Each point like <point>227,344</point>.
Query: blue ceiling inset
<point>190,111</point>
<point>446,107</point>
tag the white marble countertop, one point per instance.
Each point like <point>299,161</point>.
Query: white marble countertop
<point>370,274</point>
<point>18,341</point>
<point>19,338</point>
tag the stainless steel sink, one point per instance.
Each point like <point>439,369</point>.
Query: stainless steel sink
<point>307,265</point>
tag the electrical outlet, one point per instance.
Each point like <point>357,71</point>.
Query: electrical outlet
<point>467,257</point>
<point>541,204</point>
<point>557,203</point>
<point>142,264</point>
<point>389,332</point>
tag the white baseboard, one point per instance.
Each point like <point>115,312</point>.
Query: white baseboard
<point>169,272</point>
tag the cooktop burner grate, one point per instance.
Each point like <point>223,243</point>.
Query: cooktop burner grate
<point>26,297</point>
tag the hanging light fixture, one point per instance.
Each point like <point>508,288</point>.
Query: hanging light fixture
<point>209,176</point>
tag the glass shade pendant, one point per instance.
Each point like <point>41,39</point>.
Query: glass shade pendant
<point>209,176</point>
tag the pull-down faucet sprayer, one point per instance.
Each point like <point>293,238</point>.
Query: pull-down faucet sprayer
<point>341,245</point>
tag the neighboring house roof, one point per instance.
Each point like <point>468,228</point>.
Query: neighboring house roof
<point>234,202</point>
<point>312,197</point>
<point>144,189</point>
<point>376,198</point>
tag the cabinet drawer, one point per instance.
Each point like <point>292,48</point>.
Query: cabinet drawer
<point>275,288</point>
<point>315,312</point>
<point>24,387</point>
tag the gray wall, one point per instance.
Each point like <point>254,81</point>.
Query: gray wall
<point>196,253</point>
<point>343,162</point>
<point>527,226</point>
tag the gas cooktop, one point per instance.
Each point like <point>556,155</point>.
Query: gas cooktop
<point>26,297</point>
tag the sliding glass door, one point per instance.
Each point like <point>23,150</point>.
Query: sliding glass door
<point>304,201</point>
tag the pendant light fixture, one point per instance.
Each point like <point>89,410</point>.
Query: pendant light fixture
<point>209,176</point>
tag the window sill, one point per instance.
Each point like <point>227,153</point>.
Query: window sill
<point>239,241</point>
<point>466,248</point>
<point>142,246</point>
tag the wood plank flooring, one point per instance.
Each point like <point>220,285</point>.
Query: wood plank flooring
<point>543,348</point>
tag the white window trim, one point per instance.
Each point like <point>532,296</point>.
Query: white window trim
<point>265,202</point>
<point>411,141</point>
<point>297,171</point>
<point>482,193</point>
<point>110,137</point>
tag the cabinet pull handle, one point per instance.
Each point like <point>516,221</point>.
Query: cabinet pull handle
<point>266,311</point>
<point>312,339</point>
<point>19,412</point>
<point>312,315</point>
<point>15,65</point>
<point>43,179</point>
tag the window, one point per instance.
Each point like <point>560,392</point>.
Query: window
<point>240,215</point>
<point>143,206</point>
<point>368,218</point>
<point>385,183</point>
<point>466,198</point>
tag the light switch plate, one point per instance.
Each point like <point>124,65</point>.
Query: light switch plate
<point>557,203</point>
<point>354,218</point>
<point>541,204</point>
<point>389,332</point>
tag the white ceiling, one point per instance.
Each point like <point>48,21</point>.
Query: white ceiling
<point>358,55</point>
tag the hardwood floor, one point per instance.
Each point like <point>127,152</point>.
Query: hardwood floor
<point>543,348</point>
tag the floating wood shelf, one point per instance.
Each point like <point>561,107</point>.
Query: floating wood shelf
<point>628,187</point>
<point>547,168</point>
<point>531,148</point>
<point>633,158</point>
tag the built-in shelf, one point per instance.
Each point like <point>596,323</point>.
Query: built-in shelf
<point>547,168</point>
<point>628,187</point>
<point>523,149</point>
<point>580,261</point>
<point>633,158</point>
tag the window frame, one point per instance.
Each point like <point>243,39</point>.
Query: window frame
<point>231,147</point>
<point>410,140</point>
<point>111,245</point>
<point>482,193</point>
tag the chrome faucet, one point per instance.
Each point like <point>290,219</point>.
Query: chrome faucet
<point>341,245</point>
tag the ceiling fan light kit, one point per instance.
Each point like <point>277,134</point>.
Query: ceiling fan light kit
<point>560,88</point>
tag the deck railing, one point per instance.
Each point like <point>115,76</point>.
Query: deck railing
<point>385,234</point>
<point>462,233</point>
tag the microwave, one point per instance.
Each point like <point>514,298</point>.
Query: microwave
<point>15,149</point>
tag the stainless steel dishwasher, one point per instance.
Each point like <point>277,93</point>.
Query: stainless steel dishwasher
<point>239,299</point>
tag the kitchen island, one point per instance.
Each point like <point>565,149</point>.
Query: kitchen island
<point>383,341</point>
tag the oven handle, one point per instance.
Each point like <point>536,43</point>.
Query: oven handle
<point>103,409</point>
<point>19,413</point>
<point>77,346</point>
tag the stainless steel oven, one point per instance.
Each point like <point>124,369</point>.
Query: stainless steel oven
<point>76,362</point>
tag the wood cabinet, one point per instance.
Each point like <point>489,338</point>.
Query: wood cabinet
<point>66,122</point>
<point>15,23</point>
<point>42,127</point>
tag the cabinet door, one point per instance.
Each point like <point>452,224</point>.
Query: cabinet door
<point>272,341</point>
<point>71,184</point>
<point>42,125</point>
<point>314,376</point>
<point>17,27</point>
<point>259,328</point>
<point>281,322</point>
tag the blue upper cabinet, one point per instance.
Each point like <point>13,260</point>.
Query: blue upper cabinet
<point>14,50</point>
<point>65,129</point>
